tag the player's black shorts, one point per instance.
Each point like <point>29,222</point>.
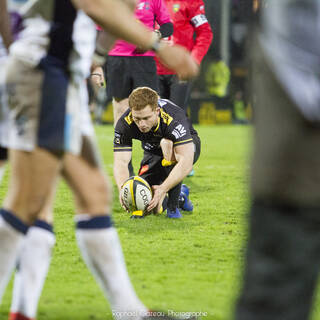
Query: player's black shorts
<point>127,73</point>
<point>152,170</point>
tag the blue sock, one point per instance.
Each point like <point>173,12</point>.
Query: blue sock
<point>14,221</point>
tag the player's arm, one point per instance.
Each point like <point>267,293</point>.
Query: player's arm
<point>5,29</point>
<point>115,17</point>
<point>122,151</point>
<point>121,171</point>
<point>184,156</point>
<point>202,30</point>
<point>120,167</point>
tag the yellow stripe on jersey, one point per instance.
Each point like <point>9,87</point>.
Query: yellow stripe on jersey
<point>129,118</point>
<point>183,141</point>
<point>165,117</point>
<point>157,125</point>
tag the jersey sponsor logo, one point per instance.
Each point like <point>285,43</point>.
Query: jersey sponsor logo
<point>199,20</point>
<point>176,7</point>
<point>129,118</point>
<point>179,131</point>
<point>166,118</point>
<point>149,146</point>
<point>117,138</point>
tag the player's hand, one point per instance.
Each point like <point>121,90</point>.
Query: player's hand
<point>158,195</point>
<point>97,77</point>
<point>179,59</point>
<point>139,50</point>
<point>122,204</point>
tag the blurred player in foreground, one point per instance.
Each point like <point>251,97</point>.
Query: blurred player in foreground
<point>283,252</point>
<point>50,133</point>
<point>171,146</point>
<point>35,254</point>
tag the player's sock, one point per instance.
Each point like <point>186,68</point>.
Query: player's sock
<point>12,232</point>
<point>33,264</point>
<point>100,247</point>
<point>173,197</point>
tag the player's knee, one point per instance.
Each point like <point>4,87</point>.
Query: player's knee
<point>167,149</point>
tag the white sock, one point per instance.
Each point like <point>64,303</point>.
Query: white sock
<point>12,233</point>
<point>2,171</point>
<point>101,250</point>
<point>33,264</point>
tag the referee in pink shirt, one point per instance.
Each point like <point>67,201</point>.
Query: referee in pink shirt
<point>127,66</point>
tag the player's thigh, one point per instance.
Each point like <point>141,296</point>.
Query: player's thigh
<point>144,73</point>
<point>197,147</point>
<point>32,178</point>
<point>286,157</point>
<point>151,169</point>
<point>84,174</point>
<point>119,84</point>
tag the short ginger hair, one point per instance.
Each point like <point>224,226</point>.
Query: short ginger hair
<point>143,96</point>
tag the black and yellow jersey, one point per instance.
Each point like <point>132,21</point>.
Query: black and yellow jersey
<point>173,124</point>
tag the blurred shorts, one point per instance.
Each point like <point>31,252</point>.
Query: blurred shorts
<point>47,109</point>
<point>286,152</point>
<point>124,74</point>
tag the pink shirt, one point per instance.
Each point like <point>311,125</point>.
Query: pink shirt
<point>148,12</point>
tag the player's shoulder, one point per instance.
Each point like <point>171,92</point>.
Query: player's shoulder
<point>170,107</point>
<point>170,113</point>
<point>125,120</point>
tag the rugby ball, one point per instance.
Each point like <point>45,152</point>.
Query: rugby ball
<point>136,194</point>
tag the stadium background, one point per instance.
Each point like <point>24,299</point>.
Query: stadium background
<point>218,94</point>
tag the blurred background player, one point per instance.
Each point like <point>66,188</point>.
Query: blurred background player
<point>191,30</point>
<point>171,145</point>
<point>128,66</point>
<point>55,76</point>
<point>283,251</point>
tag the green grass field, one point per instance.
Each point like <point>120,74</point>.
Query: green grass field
<point>193,264</point>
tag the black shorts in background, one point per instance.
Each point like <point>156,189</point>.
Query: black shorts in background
<point>127,73</point>
<point>178,92</point>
